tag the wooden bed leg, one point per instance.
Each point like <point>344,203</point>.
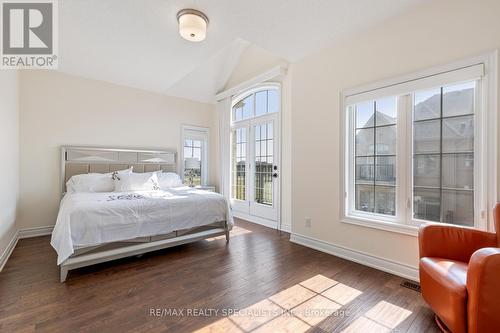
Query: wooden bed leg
<point>227,236</point>
<point>64,273</point>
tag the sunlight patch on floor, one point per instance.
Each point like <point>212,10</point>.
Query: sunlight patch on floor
<point>363,324</point>
<point>307,304</point>
<point>316,310</point>
<point>295,309</point>
<point>256,315</point>
<point>341,293</point>
<point>291,297</point>
<point>388,314</point>
<point>383,317</point>
<point>284,324</point>
<point>318,283</point>
<point>236,231</point>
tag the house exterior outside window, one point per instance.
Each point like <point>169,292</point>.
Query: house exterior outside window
<point>414,150</point>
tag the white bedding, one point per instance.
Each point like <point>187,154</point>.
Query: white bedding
<point>89,219</point>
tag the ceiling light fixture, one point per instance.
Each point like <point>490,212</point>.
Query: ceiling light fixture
<point>192,25</point>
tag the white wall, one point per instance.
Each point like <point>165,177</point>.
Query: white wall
<point>253,61</point>
<point>9,146</point>
<point>437,32</point>
<point>59,109</point>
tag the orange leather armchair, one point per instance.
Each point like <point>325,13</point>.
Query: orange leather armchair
<point>460,276</point>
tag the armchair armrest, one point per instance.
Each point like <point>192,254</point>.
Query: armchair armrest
<point>452,242</point>
<point>483,290</point>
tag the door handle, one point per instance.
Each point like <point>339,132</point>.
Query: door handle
<point>275,175</point>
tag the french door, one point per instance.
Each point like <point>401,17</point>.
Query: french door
<point>255,167</point>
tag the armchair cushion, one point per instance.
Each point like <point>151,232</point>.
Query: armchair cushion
<point>453,242</point>
<point>443,283</point>
<point>483,287</point>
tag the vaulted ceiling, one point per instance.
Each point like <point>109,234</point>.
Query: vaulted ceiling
<point>136,42</point>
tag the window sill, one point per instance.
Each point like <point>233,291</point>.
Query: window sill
<point>382,225</point>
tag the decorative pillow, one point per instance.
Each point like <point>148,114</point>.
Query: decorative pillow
<point>94,182</point>
<point>168,180</point>
<point>137,182</point>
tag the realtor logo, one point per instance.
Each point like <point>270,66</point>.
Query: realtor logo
<point>29,34</point>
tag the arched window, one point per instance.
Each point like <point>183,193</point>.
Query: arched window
<point>255,103</point>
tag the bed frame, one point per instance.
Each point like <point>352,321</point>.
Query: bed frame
<point>77,160</point>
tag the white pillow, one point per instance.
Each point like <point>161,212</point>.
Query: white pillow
<point>94,182</point>
<point>137,182</point>
<point>168,180</point>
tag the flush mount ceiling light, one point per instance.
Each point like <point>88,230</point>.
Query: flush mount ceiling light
<point>192,25</point>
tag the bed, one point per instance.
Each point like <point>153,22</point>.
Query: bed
<point>97,227</point>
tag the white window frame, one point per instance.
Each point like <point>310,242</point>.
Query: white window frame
<point>246,123</point>
<point>252,91</point>
<point>196,133</point>
<point>485,155</point>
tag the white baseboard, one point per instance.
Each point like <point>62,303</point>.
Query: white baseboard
<point>20,234</point>
<point>35,232</point>
<point>8,251</point>
<point>255,219</point>
<point>286,228</point>
<point>386,265</point>
<point>262,221</point>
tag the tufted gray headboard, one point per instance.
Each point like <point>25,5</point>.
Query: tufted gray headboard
<point>77,160</point>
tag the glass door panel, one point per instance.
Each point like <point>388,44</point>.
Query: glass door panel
<point>255,156</point>
<point>238,164</point>
<point>264,164</point>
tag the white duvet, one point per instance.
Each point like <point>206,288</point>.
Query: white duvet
<point>89,219</point>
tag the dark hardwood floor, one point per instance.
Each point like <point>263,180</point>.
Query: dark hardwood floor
<point>276,286</point>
